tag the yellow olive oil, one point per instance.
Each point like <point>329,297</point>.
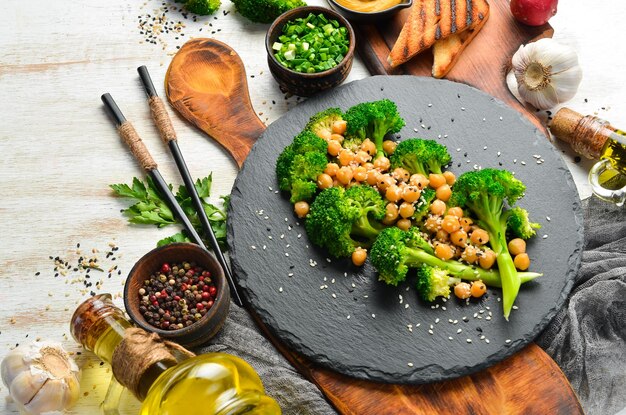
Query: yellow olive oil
<point>614,150</point>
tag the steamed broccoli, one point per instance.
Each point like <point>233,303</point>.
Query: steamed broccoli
<point>420,156</point>
<point>342,220</point>
<point>283,168</point>
<point>395,251</point>
<point>203,7</point>
<point>373,120</point>
<point>519,225</point>
<point>307,141</point>
<point>265,11</point>
<point>484,193</point>
<point>322,123</point>
<point>422,207</point>
<point>433,282</point>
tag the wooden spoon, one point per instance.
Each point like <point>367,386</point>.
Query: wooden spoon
<point>206,84</point>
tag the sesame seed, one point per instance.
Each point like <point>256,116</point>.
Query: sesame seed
<point>409,364</point>
<point>373,315</point>
<point>252,247</point>
<point>459,330</point>
<point>430,332</point>
<point>406,306</point>
<point>334,295</point>
<point>487,341</point>
<point>548,218</point>
<point>348,317</point>
<point>286,253</point>
<point>545,236</point>
<point>515,307</point>
<point>507,341</point>
<point>436,320</point>
<point>280,289</point>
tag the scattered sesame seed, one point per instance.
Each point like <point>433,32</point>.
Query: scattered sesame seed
<point>515,307</point>
<point>507,341</point>
<point>280,289</point>
<point>409,364</point>
<point>436,320</point>
<point>430,331</point>
<point>487,341</point>
<point>459,330</point>
<point>469,340</point>
<point>334,295</point>
<point>348,317</point>
<point>373,315</point>
<point>252,247</point>
<point>548,218</point>
<point>545,236</point>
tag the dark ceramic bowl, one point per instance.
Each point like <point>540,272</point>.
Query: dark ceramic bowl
<point>200,331</point>
<point>307,84</point>
<point>369,17</point>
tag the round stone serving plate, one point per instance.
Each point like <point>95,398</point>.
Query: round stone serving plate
<point>340,316</point>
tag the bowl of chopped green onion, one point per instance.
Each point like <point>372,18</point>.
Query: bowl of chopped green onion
<point>309,49</point>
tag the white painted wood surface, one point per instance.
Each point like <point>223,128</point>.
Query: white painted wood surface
<point>59,151</point>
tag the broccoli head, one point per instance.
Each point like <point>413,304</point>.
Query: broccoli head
<point>433,282</point>
<point>485,192</point>
<point>283,168</point>
<point>373,120</point>
<point>203,7</point>
<point>420,156</point>
<point>303,175</point>
<point>265,11</point>
<point>322,123</point>
<point>307,141</point>
<point>341,220</point>
<point>422,207</point>
<point>518,224</point>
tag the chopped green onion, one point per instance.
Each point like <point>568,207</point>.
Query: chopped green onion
<point>277,45</point>
<point>290,55</point>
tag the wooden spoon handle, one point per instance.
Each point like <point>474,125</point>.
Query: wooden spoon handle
<point>206,83</point>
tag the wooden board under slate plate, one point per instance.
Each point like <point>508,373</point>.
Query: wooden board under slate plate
<point>340,316</point>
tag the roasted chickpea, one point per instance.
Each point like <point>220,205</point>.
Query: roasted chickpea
<point>407,210</point>
<point>479,236</point>
<point>432,224</point>
<point>411,194</point>
<point>521,261</point>
<point>359,256</point>
<point>324,181</point>
<point>393,193</point>
<point>301,208</point>
<point>339,127</point>
<point>389,147</point>
<point>382,163</point>
<point>344,175</point>
<point>419,180</point>
<point>336,137</point>
<point>368,146</point>
<point>478,289</point>
<point>362,157</point>
<point>517,246</point>
<point>486,259</point>
<point>459,238</point>
<point>324,134</point>
<point>444,251</point>
<point>369,165</point>
<point>401,175</point>
<point>372,177</point>
<point>438,207</point>
<point>466,224</point>
<point>450,223</point>
<point>334,148</point>
<point>450,177</point>
<point>443,192</point>
<point>469,254</point>
<point>360,174</point>
<point>384,181</point>
<point>455,211</point>
<point>404,224</point>
<point>463,290</point>
<point>331,169</point>
<point>345,157</point>
<point>442,236</point>
<point>436,180</point>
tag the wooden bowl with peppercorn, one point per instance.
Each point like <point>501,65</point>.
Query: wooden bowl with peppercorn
<point>178,291</point>
<point>310,49</point>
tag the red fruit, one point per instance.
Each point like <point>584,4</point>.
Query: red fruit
<point>533,12</point>
<point>165,268</point>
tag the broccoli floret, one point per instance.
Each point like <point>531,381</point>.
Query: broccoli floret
<point>303,175</point>
<point>341,220</point>
<point>283,168</point>
<point>433,282</point>
<point>352,143</point>
<point>322,123</point>
<point>265,11</point>
<point>518,224</point>
<point>373,120</point>
<point>420,156</point>
<point>484,193</point>
<point>422,207</point>
<point>203,7</point>
<point>307,141</point>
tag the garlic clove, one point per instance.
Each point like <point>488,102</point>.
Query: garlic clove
<point>25,386</point>
<point>12,365</point>
<point>55,394</point>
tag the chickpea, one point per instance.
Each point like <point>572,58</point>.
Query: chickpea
<point>372,177</point>
<point>411,194</point>
<point>479,236</point>
<point>359,255</point>
<point>362,157</point>
<point>517,246</point>
<point>389,147</point>
<point>346,157</point>
<point>444,251</point>
<point>438,207</point>
<point>450,177</point>
<point>521,261</point>
<point>443,192</point>
<point>360,174</point>
<point>344,175</point>
<point>450,223</point>
<point>334,147</point>
<point>442,236</point>
<point>324,181</point>
<point>391,211</point>
<point>478,289</point>
<point>339,127</point>
<point>368,146</point>
<point>466,224</point>
<point>382,163</point>
<point>456,211</point>
<point>436,180</point>
<point>487,259</point>
<point>401,175</point>
<point>369,165</point>
<point>407,210</point>
<point>469,255</point>
<point>331,169</point>
<point>384,181</point>
<point>324,134</point>
<point>336,137</point>
<point>301,208</point>
<point>463,290</point>
<point>393,193</point>
<point>404,224</point>
<point>432,224</point>
<point>419,180</point>
<point>459,238</point>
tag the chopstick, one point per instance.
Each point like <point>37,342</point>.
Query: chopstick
<point>140,152</point>
<point>168,135</point>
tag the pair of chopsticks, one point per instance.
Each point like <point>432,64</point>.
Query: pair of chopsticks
<point>140,152</point>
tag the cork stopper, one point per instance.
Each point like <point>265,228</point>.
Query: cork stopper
<point>585,134</point>
<point>564,124</point>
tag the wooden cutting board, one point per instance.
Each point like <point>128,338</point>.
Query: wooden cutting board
<point>206,83</point>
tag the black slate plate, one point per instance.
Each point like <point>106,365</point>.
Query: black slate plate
<point>340,316</point>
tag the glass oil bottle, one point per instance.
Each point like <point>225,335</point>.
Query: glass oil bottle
<point>212,383</point>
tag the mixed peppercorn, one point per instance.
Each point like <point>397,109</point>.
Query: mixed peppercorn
<point>176,296</point>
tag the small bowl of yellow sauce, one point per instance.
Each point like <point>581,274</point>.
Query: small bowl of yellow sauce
<point>368,10</point>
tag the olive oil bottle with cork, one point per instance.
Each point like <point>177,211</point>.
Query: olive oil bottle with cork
<point>167,378</point>
<point>595,138</point>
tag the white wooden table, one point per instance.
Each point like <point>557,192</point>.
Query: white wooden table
<point>59,151</point>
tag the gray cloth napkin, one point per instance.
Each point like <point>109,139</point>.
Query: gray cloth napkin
<point>587,338</point>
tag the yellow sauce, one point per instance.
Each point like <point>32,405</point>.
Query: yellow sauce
<point>368,6</point>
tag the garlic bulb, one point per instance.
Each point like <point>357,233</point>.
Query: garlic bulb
<point>547,73</point>
<point>41,377</point>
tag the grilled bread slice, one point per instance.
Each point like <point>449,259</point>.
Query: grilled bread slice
<point>433,20</point>
<point>447,51</point>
